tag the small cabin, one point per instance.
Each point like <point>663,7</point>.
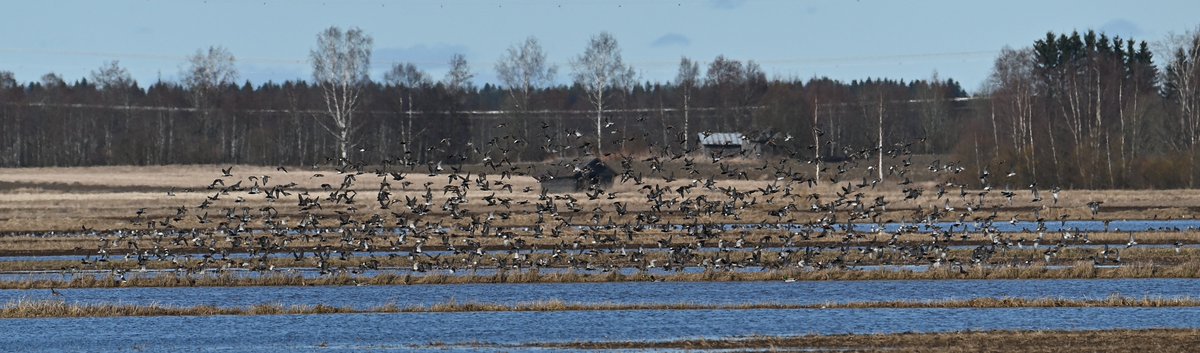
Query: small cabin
<point>594,172</point>
<point>723,143</point>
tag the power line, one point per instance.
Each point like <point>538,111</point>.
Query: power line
<point>644,63</point>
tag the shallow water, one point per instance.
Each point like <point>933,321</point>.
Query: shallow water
<point>414,331</point>
<point>815,292</point>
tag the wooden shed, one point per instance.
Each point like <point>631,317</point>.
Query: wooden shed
<point>724,143</point>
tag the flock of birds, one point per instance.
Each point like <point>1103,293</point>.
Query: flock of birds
<point>669,211</point>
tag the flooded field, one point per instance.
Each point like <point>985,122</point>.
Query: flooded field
<point>717,293</point>
<point>635,265</point>
<point>513,331</point>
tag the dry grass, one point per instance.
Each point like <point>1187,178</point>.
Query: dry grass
<point>55,308</point>
<point>58,308</point>
<point>63,199</point>
<point>1081,270</point>
<point>978,303</point>
<point>23,245</point>
<point>604,259</point>
<point>1114,300</point>
<point>1158,340</point>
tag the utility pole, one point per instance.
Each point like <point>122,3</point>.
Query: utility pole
<point>817,139</point>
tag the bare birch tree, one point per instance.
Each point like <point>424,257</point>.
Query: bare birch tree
<point>340,62</point>
<point>523,69</point>
<point>1012,86</point>
<point>410,80</point>
<point>458,79</point>
<point>206,72</point>
<point>723,78</point>
<point>407,75</point>
<point>116,85</point>
<point>53,84</point>
<point>933,110</point>
<point>458,84</point>
<point>114,81</point>
<point>7,80</point>
<point>686,80</point>
<point>600,69</point>
<point>1182,80</point>
<point>12,148</point>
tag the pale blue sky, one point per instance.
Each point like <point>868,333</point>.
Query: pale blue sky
<point>840,39</point>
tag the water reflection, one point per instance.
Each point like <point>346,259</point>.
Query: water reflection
<point>408,332</point>
<point>802,292</point>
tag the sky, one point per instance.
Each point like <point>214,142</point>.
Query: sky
<point>801,39</point>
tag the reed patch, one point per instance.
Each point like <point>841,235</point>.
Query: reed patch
<point>60,308</point>
<point>1078,270</point>
<point>1153,340</point>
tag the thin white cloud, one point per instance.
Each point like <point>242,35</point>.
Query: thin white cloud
<point>670,40</point>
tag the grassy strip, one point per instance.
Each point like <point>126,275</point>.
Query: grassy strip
<point>1066,256</point>
<point>1080,270</point>
<point>1156,340</point>
<point>1114,300</point>
<point>85,245</point>
<point>58,308</point>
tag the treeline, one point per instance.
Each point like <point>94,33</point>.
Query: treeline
<point>1080,110</point>
<point>1090,111</point>
<point>53,123</point>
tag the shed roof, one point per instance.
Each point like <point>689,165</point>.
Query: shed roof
<point>721,139</point>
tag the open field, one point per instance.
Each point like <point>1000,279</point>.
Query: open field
<point>1159,340</point>
<point>108,198</point>
<point>763,218</point>
<point>737,220</point>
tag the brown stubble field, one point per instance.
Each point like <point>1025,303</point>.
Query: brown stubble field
<point>54,211</point>
<point>68,199</point>
<point>83,189</point>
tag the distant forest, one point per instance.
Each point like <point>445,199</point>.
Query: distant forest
<point>1078,110</point>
